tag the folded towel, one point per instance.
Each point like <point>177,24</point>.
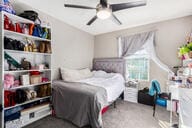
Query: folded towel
<point>154,88</point>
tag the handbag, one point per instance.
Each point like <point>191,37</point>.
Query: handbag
<point>31,15</point>
<point>37,31</point>
<point>26,65</point>
<point>20,96</point>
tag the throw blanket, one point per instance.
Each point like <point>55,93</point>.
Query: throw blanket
<point>113,83</point>
<point>155,87</point>
<point>79,103</point>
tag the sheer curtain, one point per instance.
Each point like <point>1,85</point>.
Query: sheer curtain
<point>144,41</point>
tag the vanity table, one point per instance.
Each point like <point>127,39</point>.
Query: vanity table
<point>185,104</point>
<point>184,97</point>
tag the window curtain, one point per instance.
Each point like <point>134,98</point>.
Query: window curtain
<point>144,41</point>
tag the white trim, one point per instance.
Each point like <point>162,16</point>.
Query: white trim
<point>119,47</point>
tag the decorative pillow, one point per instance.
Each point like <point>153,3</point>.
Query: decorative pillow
<point>72,75</point>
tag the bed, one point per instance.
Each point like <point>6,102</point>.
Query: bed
<point>83,101</point>
<point>112,65</point>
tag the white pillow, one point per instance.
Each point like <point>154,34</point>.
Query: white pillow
<point>99,73</point>
<point>72,75</point>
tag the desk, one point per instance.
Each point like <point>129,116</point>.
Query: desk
<point>184,96</point>
<point>185,104</point>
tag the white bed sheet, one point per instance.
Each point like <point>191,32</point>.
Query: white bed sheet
<point>113,83</point>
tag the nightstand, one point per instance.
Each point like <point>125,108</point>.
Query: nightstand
<point>131,91</point>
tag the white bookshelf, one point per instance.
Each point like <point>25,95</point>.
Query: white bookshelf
<point>36,119</point>
<point>24,52</point>
<point>20,71</point>
<point>33,57</point>
<point>1,71</point>
<point>27,86</point>
<point>17,18</point>
<point>30,101</point>
<point>20,35</point>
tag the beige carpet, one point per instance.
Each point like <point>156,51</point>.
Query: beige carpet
<point>126,115</point>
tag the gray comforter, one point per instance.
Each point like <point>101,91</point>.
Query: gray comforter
<point>79,103</point>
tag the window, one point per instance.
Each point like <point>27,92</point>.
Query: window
<point>137,66</point>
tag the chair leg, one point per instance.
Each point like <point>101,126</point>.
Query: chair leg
<point>115,106</point>
<point>122,96</point>
<point>154,108</point>
<point>154,104</point>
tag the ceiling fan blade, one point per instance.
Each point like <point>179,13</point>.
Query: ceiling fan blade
<point>78,6</point>
<point>115,19</point>
<point>117,7</point>
<point>92,20</point>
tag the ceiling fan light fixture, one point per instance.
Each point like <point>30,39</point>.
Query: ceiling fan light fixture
<point>104,10</point>
<point>104,13</point>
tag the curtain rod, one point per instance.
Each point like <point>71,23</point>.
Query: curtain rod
<point>131,34</point>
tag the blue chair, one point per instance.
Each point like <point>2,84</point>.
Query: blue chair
<point>159,98</point>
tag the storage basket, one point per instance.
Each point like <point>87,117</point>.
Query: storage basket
<point>35,79</point>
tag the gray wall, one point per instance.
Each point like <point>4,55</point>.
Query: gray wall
<point>72,48</point>
<point>169,36</point>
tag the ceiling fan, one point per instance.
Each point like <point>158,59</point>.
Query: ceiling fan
<point>105,10</point>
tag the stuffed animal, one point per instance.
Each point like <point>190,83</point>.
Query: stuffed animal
<point>8,81</point>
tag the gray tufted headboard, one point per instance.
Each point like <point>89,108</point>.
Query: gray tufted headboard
<point>116,65</point>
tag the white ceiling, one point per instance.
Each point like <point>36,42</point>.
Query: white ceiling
<point>155,11</point>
